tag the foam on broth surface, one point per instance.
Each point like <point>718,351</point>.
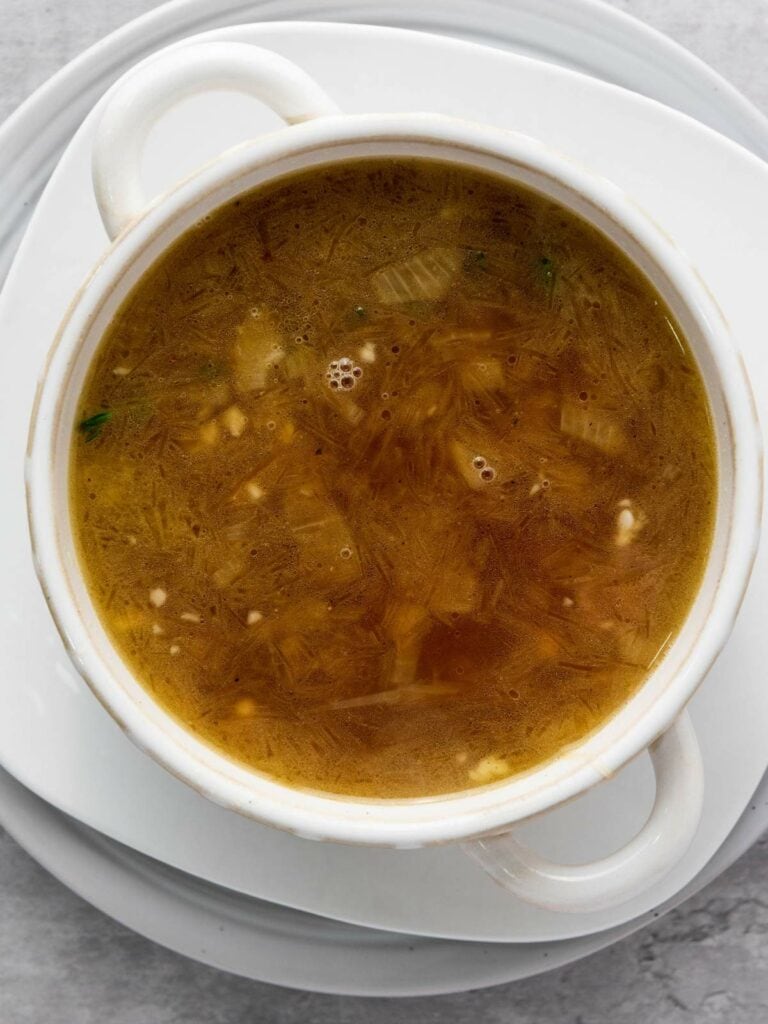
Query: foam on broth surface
<point>393,479</point>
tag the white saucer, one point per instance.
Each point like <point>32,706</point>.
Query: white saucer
<point>53,734</point>
<point>266,942</point>
<point>587,35</point>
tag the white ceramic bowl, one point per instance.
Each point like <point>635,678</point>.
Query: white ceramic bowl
<point>653,719</point>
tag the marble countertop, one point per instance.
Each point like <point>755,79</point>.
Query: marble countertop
<point>62,962</point>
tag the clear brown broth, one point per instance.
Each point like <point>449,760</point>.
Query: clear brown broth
<point>393,479</point>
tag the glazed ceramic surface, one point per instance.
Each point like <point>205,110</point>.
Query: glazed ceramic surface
<point>384,45</point>
<point>586,35</point>
<point>261,940</point>
<point>316,134</point>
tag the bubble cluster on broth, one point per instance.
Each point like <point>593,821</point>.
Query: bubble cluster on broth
<point>393,479</point>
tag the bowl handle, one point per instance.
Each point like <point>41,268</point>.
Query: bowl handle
<point>660,843</point>
<point>156,85</point>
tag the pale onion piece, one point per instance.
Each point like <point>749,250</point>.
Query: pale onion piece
<point>234,420</point>
<point>405,664</point>
<point>567,602</point>
<point>404,619</point>
<point>174,649</point>
<point>296,654</point>
<point>489,769</point>
<point>158,596</point>
<point>258,347</point>
<point>301,363</point>
<point>367,353</point>
<point>399,695</point>
<point>191,617</point>
<point>157,629</point>
<point>254,617</point>
<point>420,405</point>
<point>246,707</point>
<point>636,648</point>
<point>592,427</point>
<point>121,371</point>
<point>482,375</point>
<point>287,432</point>
<point>462,458</point>
<point>321,532</point>
<point>406,623</point>
<point>547,646</point>
<point>209,433</point>
<point>461,757</point>
<point>464,337</point>
<point>348,408</point>
<point>353,412</point>
<point>426,276</point>
<point>227,573</point>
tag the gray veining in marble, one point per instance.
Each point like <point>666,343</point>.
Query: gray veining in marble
<point>62,962</point>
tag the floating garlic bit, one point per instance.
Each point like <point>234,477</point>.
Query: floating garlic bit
<point>629,523</point>
<point>489,769</point>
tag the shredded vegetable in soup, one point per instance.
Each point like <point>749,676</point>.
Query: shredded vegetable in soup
<point>393,479</point>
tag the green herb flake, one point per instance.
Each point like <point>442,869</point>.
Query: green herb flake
<point>211,369</point>
<point>476,259</point>
<point>92,426</point>
<point>548,274</point>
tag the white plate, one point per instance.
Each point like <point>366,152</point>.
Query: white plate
<point>53,734</point>
<point>586,35</point>
<point>266,942</point>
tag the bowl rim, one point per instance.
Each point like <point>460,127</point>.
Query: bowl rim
<point>420,821</point>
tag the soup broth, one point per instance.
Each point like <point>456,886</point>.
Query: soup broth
<point>392,479</point>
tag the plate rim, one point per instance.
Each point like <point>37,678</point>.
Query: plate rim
<point>184,3</point>
<point>165,884</point>
<point>126,44</point>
